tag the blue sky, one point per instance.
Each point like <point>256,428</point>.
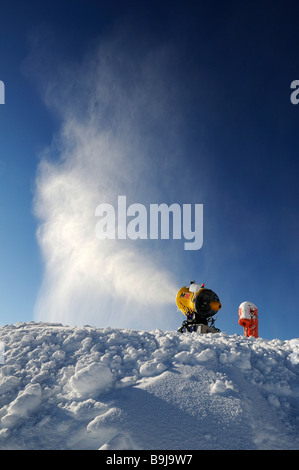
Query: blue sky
<point>164,102</point>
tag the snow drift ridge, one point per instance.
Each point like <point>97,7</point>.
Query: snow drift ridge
<point>89,388</point>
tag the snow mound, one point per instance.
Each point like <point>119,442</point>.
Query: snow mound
<point>89,381</point>
<point>90,388</point>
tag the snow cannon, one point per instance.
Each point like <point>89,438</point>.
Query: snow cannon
<point>199,305</point>
<point>248,318</point>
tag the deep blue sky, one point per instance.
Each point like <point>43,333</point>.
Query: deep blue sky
<point>232,65</point>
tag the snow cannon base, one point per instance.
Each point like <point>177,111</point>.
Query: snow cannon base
<point>198,328</point>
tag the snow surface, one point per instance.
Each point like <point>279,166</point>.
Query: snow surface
<point>90,388</point>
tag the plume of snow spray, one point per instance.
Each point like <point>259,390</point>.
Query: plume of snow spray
<point>105,148</point>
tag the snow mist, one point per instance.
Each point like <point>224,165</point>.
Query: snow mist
<point>114,130</point>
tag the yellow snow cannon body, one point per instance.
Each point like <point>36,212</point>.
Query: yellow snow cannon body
<point>199,305</point>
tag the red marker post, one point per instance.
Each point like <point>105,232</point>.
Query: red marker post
<point>248,318</point>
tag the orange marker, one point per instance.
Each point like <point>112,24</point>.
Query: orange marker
<point>248,318</point>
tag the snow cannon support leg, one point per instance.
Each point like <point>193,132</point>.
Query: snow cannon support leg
<point>248,318</point>
<point>197,327</point>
